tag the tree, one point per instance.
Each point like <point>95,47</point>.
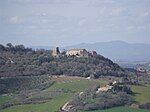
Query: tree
<point>9,45</point>
<point>20,47</point>
<point>2,48</point>
<point>145,106</point>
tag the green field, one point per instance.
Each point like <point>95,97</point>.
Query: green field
<point>3,99</point>
<point>142,93</point>
<point>51,106</point>
<point>72,86</point>
<point>121,109</point>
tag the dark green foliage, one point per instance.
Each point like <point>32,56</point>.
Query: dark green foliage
<point>103,100</point>
<point>121,87</point>
<point>18,60</point>
<point>2,61</point>
<point>145,106</point>
<point>21,83</point>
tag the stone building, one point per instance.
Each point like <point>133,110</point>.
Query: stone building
<point>93,53</point>
<point>56,52</point>
<point>77,52</point>
<point>73,52</point>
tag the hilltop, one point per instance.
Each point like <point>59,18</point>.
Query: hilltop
<point>120,51</point>
<point>18,60</point>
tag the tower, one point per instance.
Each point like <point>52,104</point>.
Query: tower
<point>55,52</point>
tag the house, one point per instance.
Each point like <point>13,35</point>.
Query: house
<point>77,52</point>
<point>104,89</point>
<point>140,69</point>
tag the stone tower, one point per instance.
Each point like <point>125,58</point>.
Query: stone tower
<point>56,52</point>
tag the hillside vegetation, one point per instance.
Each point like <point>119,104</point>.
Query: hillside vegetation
<point>18,60</point>
<point>57,94</point>
<point>34,80</point>
<point>64,89</point>
<point>22,83</point>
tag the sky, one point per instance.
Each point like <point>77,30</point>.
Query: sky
<point>68,22</point>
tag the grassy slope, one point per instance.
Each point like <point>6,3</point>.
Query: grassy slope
<point>51,106</point>
<point>142,93</point>
<point>121,109</point>
<point>77,85</point>
<point>4,99</point>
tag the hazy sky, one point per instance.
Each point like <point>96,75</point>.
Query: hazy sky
<point>67,22</point>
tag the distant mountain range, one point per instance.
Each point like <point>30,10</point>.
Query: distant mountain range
<point>118,51</point>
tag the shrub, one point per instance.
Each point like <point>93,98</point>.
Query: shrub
<point>145,106</point>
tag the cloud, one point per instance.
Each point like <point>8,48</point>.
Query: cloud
<point>44,21</point>
<point>41,1</point>
<point>145,14</point>
<point>71,18</point>
<point>32,27</point>
<point>137,28</point>
<point>141,28</point>
<point>81,22</point>
<point>14,19</point>
<point>116,11</point>
<point>130,28</point>
<point>98,2</point>
<point>42,14</point>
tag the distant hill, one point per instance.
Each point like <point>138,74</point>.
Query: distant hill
<point>119,50</point>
